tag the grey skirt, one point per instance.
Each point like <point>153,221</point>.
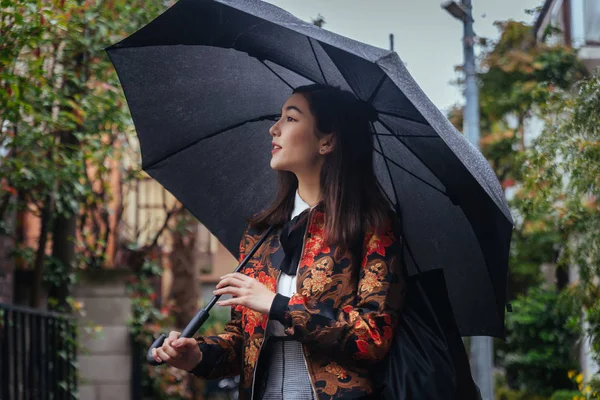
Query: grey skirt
<point>281,372</point>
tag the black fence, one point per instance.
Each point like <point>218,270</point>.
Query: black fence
<point>37,354</point>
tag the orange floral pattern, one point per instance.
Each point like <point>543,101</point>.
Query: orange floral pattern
<point>315,242</point>
<point>320,277</point>
<point>377,244</point>
<point>252,319</point>
<point>335,369</point>
<point>372,280</point>
<point>267,280</point>
<point>251,353</point>
<point>297,298</point>
<point>338,311</point>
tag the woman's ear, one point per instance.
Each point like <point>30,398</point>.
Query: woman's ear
<point>327,143</point>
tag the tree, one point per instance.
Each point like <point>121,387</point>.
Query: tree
<point>518,74</point>
<point>62,119</point>
<point>561,174</point>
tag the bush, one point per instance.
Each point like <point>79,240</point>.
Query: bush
<point>565,395</point>
<point>540,343</point>
<point>505,393</point>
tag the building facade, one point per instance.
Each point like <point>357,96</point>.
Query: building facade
<point>578,22</point>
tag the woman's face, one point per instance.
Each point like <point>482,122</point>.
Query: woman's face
<point>296,148</point>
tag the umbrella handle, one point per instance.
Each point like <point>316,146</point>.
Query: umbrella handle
<point>188,332</point>
<point>202,315</point>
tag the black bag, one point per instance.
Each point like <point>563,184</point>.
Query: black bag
<point>427,359</point>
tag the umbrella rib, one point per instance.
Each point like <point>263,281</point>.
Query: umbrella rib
<point>276,74</point>
<point>349,84</point>
<point>402,117</point>
<point>372,96</point>
<point>413,153</point>
<point>410,136</point>
<point>386,165</point>
<point>410,173</point>
<point>397,203</point>
<point>195,142</point>
<point>317,60</point>
<point>376,91</point>
<point>379,84</point>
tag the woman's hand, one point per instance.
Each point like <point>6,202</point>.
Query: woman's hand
<point>248,291</point>
<point>182,353</point>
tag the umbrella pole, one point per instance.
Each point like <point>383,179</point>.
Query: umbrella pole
<point>202,315</point>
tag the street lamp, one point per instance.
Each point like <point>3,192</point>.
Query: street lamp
<point>481,346</point>
<point>455,9</point>
<point>463,13</point>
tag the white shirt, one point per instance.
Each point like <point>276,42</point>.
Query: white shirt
<point>287,283</point>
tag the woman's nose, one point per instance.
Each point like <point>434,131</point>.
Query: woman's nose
<point>274,130</point>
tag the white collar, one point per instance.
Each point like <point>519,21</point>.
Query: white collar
<point>299,205</point>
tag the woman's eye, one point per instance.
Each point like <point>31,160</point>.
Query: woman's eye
<point>289,119</point>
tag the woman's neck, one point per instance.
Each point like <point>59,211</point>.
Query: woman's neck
<point>309,191</point>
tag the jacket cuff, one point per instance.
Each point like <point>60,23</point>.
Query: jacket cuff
<point>204,367</point>
<point>279,307</point>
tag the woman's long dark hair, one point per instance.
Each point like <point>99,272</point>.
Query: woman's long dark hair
<point>352,201</point>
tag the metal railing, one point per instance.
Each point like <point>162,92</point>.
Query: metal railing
<point>37,354</point>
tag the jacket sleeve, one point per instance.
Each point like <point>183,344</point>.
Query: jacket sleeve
<point>221,354</point>
<point>364,327</point>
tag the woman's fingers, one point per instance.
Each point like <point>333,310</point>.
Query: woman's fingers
<point>234,284</point>
<point>167,352</point>
<point>170,350</point>
<point>224,302</point>
<point>237,292</point>
<point>235,278</point>
<point>172,353</point>
<point>229,290</point>
<point>155,355</point>
<point>224,283</point>
<point>185,343</point>
<point>179,352</point>
<point>238,276</point>
<point>246,291</point>
<point>162,355</point>
<point>232,281</point>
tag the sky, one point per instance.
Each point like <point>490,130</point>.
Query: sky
<point>426,37</point>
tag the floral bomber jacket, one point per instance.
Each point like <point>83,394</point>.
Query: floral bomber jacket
<point>344,319</point>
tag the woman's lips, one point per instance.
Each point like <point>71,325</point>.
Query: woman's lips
<point>275,150</point>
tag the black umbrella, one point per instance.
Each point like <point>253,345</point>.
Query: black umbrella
<point>203,82</point>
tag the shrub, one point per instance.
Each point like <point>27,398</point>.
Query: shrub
<point>540,343</point>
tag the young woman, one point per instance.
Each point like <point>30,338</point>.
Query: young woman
<point>320,300</point>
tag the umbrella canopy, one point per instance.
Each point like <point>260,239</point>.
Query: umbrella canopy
<point>204,81</point>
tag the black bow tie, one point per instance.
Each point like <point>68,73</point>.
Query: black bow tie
<point>291,239</point>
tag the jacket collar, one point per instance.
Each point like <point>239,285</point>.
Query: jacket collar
<point>299,206</point>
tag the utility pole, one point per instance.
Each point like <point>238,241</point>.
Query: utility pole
<point>481,346</point>
<point>471,117</point>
